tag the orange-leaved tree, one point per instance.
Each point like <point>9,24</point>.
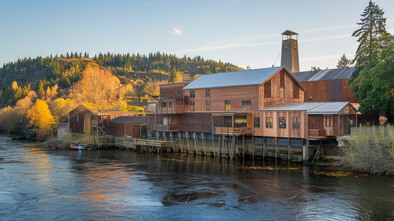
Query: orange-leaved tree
<point>41,119</point>
<point>99,88</point>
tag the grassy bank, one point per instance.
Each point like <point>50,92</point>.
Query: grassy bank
<point>370,150</point>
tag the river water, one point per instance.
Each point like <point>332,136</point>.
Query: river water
<point>38,184</point>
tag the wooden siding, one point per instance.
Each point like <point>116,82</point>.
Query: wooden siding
<point>275,131</point>
<point>218,95</point>
<point>124,130</point>
<point>79,120</point>
<point>326,91</point>
<point>272,97</point>
<point>172,91</point>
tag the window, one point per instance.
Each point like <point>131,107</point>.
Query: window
<point>268,122</point>
<point>227,105</point>
<point>164,104</point>
<point>240,121</point>
<point>169,104</point>
<point>192,119</point>
<point>77,118</point>
<point>207,93</point>
<point>296,123</point>
<point>192,106</point>
<point>207,105</point>
<point>328,121</point>
<point>282,91</point>
<point>246,103</point>
<point>165,121</point>
<point>256,122</point>
<point>192,94</point>
<point>282,122</point>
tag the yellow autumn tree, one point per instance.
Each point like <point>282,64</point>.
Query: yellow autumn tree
<point>60,108</point>
<point>41,119</point>
<point>99,88</point>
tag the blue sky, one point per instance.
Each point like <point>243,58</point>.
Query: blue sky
<point>242,32</point>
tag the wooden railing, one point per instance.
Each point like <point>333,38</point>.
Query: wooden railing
<point>229,130</point>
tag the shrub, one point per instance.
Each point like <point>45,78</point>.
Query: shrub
<point>370,150</point>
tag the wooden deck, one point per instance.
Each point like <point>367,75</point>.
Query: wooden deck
<point>145,144</point>
<point>229,131</point>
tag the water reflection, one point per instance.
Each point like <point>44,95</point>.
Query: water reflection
<point>85,185</point>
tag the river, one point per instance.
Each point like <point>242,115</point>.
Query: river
<point>40,184</point>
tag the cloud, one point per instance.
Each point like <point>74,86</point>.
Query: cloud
<point>176,31</point>
<point>253,41</point>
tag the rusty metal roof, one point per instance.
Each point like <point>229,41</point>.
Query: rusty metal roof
<point>309,107</point>
<point>288,32</point>
<point>324,75</point>
<point>231,79</point>
<point>129,120</point>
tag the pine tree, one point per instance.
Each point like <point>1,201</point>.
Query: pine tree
<point>344,62</point>
<point>370,34</point>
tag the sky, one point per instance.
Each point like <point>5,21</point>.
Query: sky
<point>242,32</point>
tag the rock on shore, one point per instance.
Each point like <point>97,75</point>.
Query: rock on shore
<point>58,144</point>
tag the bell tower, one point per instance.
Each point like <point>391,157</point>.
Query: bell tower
<point>290,51</point>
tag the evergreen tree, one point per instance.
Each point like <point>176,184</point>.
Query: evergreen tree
<point>375,82</point>
<point>173,76</point>
<point>371,33</point>
<point>315,68</point>
<point>344,62</point>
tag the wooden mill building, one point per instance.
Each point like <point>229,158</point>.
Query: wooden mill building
<point>129,126</point>
<point>256,103</point>
<point>327,85</point>
<point>84,120</point>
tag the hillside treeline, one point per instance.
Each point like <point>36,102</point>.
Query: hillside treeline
<point>37,94</point>
<point>65,70</point>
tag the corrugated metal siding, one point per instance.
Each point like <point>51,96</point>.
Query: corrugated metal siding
<point>231,79</point>
<point>324,75</point>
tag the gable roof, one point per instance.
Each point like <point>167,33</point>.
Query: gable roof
<point>231,79</point>
<point>324,75</point>
<point>310,107</point>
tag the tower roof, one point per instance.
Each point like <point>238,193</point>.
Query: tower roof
<point>288,32</point>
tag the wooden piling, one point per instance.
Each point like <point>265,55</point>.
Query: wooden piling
<point>180,141</point>
<point>264,147</point>
<point>219,145</point>
<point>276,148</point>
<point>213,144</point>
<point>253,148</point>
<point>288,149</point>
<point>187,141</point>
<point>243,146</point>
<point>195,142</point>
<point>203,144</point>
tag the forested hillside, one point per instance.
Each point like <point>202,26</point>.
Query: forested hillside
<point>19,77</point>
